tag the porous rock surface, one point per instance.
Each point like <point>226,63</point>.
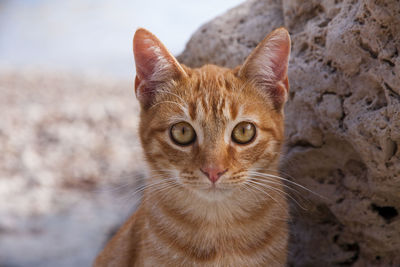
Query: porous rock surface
<point>342,119</point>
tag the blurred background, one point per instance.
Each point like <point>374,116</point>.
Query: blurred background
<point>70,160</point>
<point>91,36</point>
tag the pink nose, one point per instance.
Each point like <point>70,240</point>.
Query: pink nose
<point>213,173</point>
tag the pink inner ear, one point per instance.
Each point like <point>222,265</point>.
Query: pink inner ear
<point>154,65</point>
<point>270,57</point>
<point>148,56</point>
<point>279,60</point>
<point>267,66</point>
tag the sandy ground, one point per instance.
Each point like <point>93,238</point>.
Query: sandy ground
<point>70,161</point>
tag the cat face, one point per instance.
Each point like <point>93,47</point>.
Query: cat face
<point>208,129</point>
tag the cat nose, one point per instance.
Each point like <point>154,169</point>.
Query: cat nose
<point>213,173</point>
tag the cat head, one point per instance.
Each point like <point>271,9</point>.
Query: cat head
<point>209,130</point>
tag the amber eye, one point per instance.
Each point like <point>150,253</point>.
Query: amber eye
<point>244,132</point>
<point>182,133</point>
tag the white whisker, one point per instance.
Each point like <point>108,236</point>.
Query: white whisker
<point>277,190</point>
<point>266,193</point>
<point>171,102</point>
<point>283,179</point>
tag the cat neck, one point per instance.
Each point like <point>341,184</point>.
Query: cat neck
<point>211,207</point>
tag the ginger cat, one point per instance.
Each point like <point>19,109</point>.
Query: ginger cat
<point>212,138</point>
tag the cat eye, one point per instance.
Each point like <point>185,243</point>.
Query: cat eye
<point>182,133</point>
<point>244,132</point>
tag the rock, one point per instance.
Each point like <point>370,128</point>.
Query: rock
<point>238,32</point>
<point>342,119</point>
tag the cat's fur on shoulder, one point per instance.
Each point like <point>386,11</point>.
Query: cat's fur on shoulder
<point>212,138</point>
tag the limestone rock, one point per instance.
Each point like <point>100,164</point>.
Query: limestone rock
<point>342,119</point>
<point>228,39</point>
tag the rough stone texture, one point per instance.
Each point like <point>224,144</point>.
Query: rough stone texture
<point>342,123</point>
<point>69,159</point>
<point>223,41</point>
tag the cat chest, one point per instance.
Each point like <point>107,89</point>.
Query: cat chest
<point>208,244</point>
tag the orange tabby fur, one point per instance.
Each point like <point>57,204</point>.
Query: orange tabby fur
<point>184,219</point>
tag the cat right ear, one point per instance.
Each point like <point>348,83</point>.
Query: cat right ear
<point>267,66</point>
<point>155,66</point>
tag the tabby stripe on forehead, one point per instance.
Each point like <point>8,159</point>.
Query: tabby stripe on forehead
<point>196,87</point>
<point>204,104</point>
<point>214,104</point>
<point>221,106</point>
<point>192,110</point>
<point>220,81</point>
<point>228,85</point>
<point>233,109</point>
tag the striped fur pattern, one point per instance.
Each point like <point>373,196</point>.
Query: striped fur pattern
<point>184,219</point>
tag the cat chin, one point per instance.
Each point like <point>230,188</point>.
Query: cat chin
<point>213,192</point>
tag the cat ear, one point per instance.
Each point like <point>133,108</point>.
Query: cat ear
<point>155,66</point>
<point>267,66</point>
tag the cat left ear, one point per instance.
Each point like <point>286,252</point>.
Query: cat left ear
<point>267,66</point>
<point>155,66</point>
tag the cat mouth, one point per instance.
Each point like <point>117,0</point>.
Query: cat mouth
<point>212,188</point>
<point>218,188</point>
